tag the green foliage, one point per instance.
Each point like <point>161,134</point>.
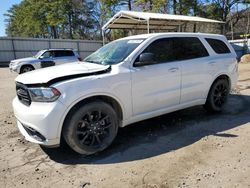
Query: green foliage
<point>49,18</point>
<point>151,5</point>
<point>24,20</point>
<point>84,18</point>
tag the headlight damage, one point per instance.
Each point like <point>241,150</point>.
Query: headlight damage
<point>27,94</point>
<point>44,94</point>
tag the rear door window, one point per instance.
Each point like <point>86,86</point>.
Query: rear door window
<point>189,48</point>
<point>218,46</point>
<point>63,53</point>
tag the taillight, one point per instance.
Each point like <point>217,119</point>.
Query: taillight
<point>80,59</point>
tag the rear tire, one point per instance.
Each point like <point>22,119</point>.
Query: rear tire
<point>217,96</point>
<point>26,68</point>
<point>91,128</point>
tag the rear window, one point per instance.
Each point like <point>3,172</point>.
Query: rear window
<point>63,53</point>
<point>218,46</point>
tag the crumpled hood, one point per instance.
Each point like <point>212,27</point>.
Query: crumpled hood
<point>24,59</point>
<point>61,72</point>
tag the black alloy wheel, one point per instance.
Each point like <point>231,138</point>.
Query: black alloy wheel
<point>217,96</point>
<point>91,128</point>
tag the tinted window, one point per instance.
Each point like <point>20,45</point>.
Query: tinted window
<point>189,48</point>
<point>218,46</point>
<point>177,48</point>
<point>63,53</point>
<point>163,50</point>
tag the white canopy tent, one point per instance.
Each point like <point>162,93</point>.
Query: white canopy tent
<point>147,21</point>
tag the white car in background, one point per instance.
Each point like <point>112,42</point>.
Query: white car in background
<point>44,58</point>
<point>125,81</point>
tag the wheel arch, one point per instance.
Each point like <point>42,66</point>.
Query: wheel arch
<point>220,76</point>
<point>112,101</point>
<point>210,104</point>
<point>105,98</point>
<point>26,65</point>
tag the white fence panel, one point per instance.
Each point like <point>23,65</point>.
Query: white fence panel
<point>25,45</point>
<point>84,54</point>
<point>5,56</point>
<point>61,44</point>
<point>89,46</point>
<point>5,45</point>
<point>25,54</point>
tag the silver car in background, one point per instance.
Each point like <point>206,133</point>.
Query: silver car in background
<point>44,58</point>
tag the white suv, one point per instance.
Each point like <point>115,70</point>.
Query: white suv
<point>44,58</point>
<point>125,81</point>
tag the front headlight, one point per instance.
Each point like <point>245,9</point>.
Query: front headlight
<point>44,94</point>
<point>14,63</point>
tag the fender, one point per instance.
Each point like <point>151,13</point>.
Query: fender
<point>215,77</point>
<point>81,99</point>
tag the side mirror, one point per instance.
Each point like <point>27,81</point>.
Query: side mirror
<point>41,57</point>
<point>145,59</point>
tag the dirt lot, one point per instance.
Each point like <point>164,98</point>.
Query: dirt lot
<point>188,148</point>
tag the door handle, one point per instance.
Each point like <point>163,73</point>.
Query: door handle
<point>174,69</point>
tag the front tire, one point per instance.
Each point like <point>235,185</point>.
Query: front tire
<point>91,128</point>
<point>26,68</point>
<point>217,96</point>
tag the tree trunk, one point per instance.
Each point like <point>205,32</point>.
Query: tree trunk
<point>150,5</point>
<point>54,33</point>
<point>70,25</point>
<point>180,7</point>
<point>129,5</point>
<point>174,6</point>
<point>195,5</point>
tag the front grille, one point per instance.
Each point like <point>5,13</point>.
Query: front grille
<point>23,94</point>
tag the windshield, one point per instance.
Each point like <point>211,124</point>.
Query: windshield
<point>39,54</point>
<point>114,52</point>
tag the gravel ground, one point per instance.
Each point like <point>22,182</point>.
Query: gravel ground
<point>188,148</point>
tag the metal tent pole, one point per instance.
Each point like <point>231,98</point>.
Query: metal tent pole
<point>179,28</point>
<point>148,25</point>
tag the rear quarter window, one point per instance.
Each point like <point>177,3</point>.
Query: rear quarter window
<point>218,46</point>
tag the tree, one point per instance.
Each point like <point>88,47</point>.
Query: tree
<point>52,19</point>
<point>83,19</point>
<point>25,20</point>
<point>127,3</point>
<point>152,5</point>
